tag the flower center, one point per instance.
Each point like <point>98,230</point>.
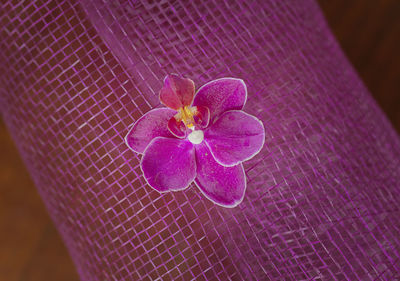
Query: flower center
<point>196,136</point>
<point>186,113</point>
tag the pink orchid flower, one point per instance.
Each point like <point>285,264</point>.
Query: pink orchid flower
<point>202,137</point>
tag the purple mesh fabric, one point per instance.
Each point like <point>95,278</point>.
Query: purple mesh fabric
<point>322,197</point>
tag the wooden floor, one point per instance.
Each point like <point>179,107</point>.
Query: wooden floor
<point>30,248</point>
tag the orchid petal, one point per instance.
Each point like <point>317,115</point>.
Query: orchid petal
<point>221,95</point>
<point>169,164</point>
<point>177,92</point>
<point>201,116</point>
<point>152,124</point>
<point>235,137</point>
<point>224,186</point>
<point>177,128</point>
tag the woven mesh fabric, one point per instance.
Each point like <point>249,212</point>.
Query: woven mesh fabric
<point>323,195</point>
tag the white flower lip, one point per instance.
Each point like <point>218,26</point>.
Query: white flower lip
<point>196,137</point>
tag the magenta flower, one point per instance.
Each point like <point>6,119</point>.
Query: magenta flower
<point>202,137</point>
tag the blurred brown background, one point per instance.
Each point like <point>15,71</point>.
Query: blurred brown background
<point>30,248</point>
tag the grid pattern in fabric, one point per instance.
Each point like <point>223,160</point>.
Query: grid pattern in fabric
<point>323,195</point>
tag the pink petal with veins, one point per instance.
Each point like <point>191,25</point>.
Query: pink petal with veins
<point>224,186</point>
<point>221,95</point>
<point>177,92</point>
<point>169,164</point>
<point>152,124</point>
<point>235,137</point>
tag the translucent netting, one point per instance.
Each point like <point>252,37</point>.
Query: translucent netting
<point>323,195</point>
